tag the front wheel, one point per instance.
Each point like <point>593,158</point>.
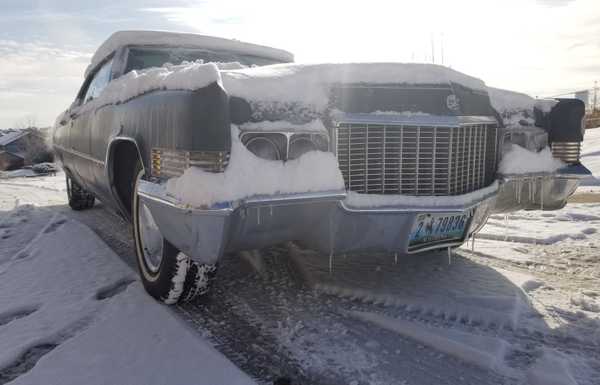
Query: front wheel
<point>79,198</point>
<point>168,275</point>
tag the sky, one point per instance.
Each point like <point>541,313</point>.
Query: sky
<point>540,47</point>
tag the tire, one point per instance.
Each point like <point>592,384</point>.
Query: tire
<point>79,198</point>
<point>167,274</point>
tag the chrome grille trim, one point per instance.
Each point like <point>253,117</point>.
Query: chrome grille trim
<point>379,158</point>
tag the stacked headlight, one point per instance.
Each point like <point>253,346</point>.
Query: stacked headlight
<point>303,143</point>
<point>283,145</point>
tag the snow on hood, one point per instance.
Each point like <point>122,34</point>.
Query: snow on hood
<point>188,76</point>
<point>515,108</point>
<point>510,101</point>
<point>306,83</point>
<point>248,175</point>
<point>519,160</point>
<point>545,105</point>
<point>315,126</point>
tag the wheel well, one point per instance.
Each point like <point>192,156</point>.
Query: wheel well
<point>124,157</point>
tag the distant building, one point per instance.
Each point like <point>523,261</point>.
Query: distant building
<point>15,148</point>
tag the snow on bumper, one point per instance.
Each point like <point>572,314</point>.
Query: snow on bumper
<point>325,221</point>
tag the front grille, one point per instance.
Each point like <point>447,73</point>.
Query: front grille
<point>172,163</point>
<point>413,160</point>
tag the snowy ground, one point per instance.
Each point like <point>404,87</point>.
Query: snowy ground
<point>71,312</point>
<point>521,307</point>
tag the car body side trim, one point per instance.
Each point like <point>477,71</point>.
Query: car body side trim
<point>79,154</point>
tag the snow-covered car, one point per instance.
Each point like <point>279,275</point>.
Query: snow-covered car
<point>211,145</point>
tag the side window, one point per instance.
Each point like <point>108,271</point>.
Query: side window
<point>100,80</point>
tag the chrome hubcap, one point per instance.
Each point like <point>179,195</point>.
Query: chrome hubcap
<point>152,240</point>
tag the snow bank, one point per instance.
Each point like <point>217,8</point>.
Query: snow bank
<point>307,83</point>
<point>590,156</point>
<point>315,125</point>
<point>518,160</point>
<point>188,76</point>
<point>248,175</point>
<point>354,199</point>
<point>157,38</point>
<point>67,297</point>
<point>483,351</point>
<point>552,368</point>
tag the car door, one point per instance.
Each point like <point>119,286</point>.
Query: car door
<point>86,165</point>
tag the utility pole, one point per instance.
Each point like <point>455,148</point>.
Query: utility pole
<point>595,96</point>
<point>442,48</point>
<point>432,50</point>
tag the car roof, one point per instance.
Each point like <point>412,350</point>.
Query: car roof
<point>164,38</point>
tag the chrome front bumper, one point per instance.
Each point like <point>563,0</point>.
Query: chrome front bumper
<point>539,191</point>
<point>328,222</point>
<point>322,221</point>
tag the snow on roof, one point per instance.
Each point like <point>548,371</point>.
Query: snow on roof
<point>305,82</point>
<point>124,38</point>
<point>11,137</point>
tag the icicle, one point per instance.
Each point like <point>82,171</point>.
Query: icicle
<point>542,193</point>
<point>449,256</point>
<point>271,209</point>
<point>395,258</point>
<point>530,189</point>
<point>473,242</point>
<point>258,215</point>
<point>330,244</point>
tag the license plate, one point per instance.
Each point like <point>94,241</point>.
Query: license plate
<point>431,229</point>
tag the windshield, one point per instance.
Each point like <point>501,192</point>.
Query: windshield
<point>140,58</point>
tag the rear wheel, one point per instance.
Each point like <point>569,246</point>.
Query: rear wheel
<point>167,274</point>
<point>79,198</point>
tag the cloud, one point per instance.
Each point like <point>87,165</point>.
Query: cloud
<point>554,3</point>
<point>531,46</point>
<point>39,79</point>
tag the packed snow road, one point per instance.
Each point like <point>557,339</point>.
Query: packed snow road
<point>522,306</point>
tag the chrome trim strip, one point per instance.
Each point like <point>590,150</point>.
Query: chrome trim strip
<point>411,120</point>
<point>423,208</point>
<point>79,154</point>
<point>279,200</point>
<point>435,247</point>
<point>147,193</point>
<point>155,192</point>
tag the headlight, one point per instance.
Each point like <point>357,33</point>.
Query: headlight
<point>283,145</point>
<point>303,143</point>
<point>171,163</point>
<point>264,147</point>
